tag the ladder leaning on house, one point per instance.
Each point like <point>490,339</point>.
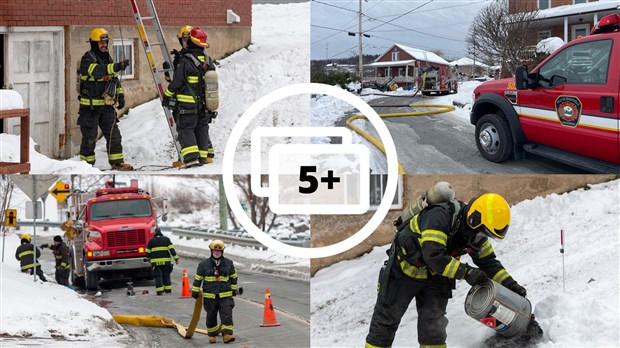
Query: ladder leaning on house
<point>154,67</point>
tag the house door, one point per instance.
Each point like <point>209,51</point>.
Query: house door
<point>33,68</point>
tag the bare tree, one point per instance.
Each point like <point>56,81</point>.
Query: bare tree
<point>500,35</point>
<point>257,207</point>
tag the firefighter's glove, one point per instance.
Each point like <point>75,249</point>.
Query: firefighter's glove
<point>43,246</point>
<point>234,292</point>
<point>514,286</point>
<point>398,221</point>
<point>120,66</point>
<point>175,54</point>
<point>195,294</point>
<point>121,101</point>
<point>166,65</point>
<point>474,276</point>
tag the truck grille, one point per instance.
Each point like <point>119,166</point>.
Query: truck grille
<point>125,238</point>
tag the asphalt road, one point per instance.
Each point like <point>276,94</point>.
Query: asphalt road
<point>291,300</point>
<point>445,144</point>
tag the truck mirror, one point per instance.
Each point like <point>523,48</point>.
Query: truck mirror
<point>521,77</point>
<point>164,217</point>
<point>557,80</point>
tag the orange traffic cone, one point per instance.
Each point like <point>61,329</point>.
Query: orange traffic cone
<point>269,315</point>
<point>185,293</point>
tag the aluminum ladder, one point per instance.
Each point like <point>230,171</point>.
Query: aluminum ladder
<point>155,70</point>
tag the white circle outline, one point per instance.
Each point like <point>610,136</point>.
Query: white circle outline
<point>233,199</point>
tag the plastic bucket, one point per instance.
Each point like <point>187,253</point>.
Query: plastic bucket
<point>498,308</point>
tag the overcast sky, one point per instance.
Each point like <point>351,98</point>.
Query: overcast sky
<point>423,24</point>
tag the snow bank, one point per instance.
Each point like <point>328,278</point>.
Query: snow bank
<point>343,295</point>
<point>10,99</point>
<point>48,310</point>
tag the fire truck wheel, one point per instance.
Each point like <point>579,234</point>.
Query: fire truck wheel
<point>493,138</point>
<point>91,279</point>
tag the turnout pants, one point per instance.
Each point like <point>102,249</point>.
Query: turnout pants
<point>431,296</point>
<point>162,278</point>
<point>62,276</point>
<point>225,307</point>
<point>38,271</point>
<point>103,117</point>
<point>193,129</point>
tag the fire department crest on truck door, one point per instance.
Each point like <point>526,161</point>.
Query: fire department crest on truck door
<point>568,110</point>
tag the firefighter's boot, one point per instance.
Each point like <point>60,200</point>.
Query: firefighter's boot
<point>211,339</point>
<point>229,338</point>
<point>122,166</point>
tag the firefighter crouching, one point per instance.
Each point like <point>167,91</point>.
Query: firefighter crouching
<point>218,278</point>
<point>25,255</point>
<point>424,265</point>
<point>61,254</point>
<point>99,90</point>
<point>158,251</point>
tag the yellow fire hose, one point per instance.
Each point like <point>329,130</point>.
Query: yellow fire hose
<point>377,143</point>
<point>161,321</point>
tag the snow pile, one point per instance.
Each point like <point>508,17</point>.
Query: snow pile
<point>549,45</point>
<point>10,100</point>
<point>48,310</point>
<point>585,316</point>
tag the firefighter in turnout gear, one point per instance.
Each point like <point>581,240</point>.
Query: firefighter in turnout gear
<point>183,37</point>
<point>61,254</point>
<point>424,264</point>
<point>99,90</point>
<point>218,278</point>
<point>25,255</point>
<point>158,252</point>
<point>185,95</point>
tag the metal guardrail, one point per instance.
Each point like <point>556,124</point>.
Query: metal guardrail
<point>40,223</point>
<point>227,238</point>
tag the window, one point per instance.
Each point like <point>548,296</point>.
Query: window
<point>120,209</point>
<point>395,55</point>
<point>378,183</point>
<point>545,34</point>
<point>580,30</point>
<point>388,72</point>
<point>124,49</point>
<point>544,4</point>
<point>401,71</point>
<point>579,1</point>
<point>584,63</point>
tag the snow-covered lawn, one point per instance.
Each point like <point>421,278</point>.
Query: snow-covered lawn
<point>586,315</point>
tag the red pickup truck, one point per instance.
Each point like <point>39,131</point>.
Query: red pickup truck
<point>566,109</point>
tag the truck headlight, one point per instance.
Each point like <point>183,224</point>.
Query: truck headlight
<point>101,253</point>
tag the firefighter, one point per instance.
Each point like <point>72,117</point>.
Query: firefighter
<point>100,89</point>
<point>158,252</point>
<point>218,277</point>
<point>424,264</point>
<point>183,37</point>
<point>25,255</point>
<point>185,95</point>
<point>61,254</point>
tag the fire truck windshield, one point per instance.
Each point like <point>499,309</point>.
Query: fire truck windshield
<point>118,209</point>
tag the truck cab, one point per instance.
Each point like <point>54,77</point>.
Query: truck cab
<point>565,109</point>
<point>115,227</point>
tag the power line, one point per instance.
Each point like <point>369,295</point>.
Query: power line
<point>404,14</point>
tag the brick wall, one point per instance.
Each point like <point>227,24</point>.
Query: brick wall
<point>532,5</point>
<point>108,12</point>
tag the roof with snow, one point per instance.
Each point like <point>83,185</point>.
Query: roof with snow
<point>466,61</point>
<point>417,54</point>
<point>588,7</point>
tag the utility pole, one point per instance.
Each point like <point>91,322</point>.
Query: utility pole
<point>359,47</point>
<point>326,51</point>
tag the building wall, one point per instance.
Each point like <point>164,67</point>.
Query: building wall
<point>532,5</point>
<point>327,230</point>
<point>387,57</point>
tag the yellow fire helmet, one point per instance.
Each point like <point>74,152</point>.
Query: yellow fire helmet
<point>184,31</point>
<point>217,245</point>
<point>98,34</point>
<point>491,213</point>
<point>26,236</point>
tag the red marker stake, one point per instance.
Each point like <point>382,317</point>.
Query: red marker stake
<point>562,252</point>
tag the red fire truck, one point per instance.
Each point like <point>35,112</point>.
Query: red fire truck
<point>566,109</point>
<point>439,80</point>
<point>113,226</point>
